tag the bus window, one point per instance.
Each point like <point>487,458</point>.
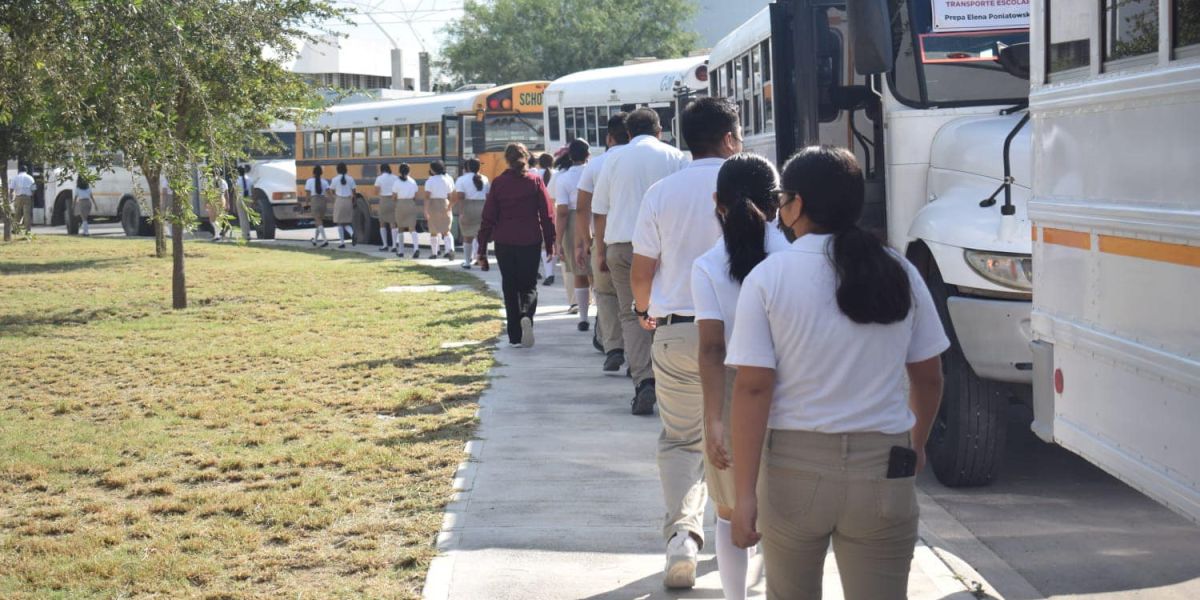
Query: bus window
<point>360,142</point>
<point>756,81</point>
<point>451,131</point>
<point>592,128</point>
<point>502,130</point>
<point>666,118</point>
<point>569,123</point>
<point>306,141</point>
<point>433,139</point>
<point>416,137</point>
<point>768,98</point>
<point>344,143</point>
<point>402,146</point>
<point>1131,28</point>
<point>386,147</point>
<point>1070,29</point>
<point>372,141</point>
<point>764,50</point>
<point>1186,24</point>
<point>278,145</point>
<point>318,146</point>
<point>555,132</point>
<point>602,121</point>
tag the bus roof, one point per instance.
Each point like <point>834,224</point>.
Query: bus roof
<point>423,109</point>
<point>750,33</point>
<point>628,84</point>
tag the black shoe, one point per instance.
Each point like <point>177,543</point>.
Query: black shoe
<point>342,246</point>
<point>325,244</point>
<point>449,256</point>
<point>643,400</point>
<point>416,254</point>
<point>549,281</point>
<point>385,249</point>
<point>582,326</point>
<point>614,360</point>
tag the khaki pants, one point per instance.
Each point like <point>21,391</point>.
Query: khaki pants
<point>606,306</point>
<point>23,213</point>
<point>818,486</point>
<point>637,340</point>
<point>681,442</point>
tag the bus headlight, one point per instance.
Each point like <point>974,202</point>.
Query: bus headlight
<point>279,196</point>
<point>1009,270</point>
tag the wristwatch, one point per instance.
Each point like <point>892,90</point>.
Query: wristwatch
<point>641,314</point>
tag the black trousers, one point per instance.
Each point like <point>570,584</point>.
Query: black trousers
<point>518,278</point>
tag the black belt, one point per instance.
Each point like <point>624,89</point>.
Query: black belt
<point>673,319</point>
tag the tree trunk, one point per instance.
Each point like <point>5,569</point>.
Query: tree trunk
<point>178,281</point>
<point>152,179</point>
<point>5,212</point>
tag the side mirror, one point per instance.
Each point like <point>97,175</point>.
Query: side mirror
<point>871,29</point>
<point>1015,60</point>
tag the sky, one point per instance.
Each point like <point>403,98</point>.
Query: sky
<point>414,24</point>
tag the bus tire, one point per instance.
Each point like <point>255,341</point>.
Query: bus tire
<point>266,217</point>
<point>966,443</point>
<point>62,211</point>
<point>132,221</point>
<point>366,227</point>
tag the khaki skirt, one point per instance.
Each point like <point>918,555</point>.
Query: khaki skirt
<point>318,206</point>
<point>406,214</point>
<point>569,247</point>
<point>387,210</point>
<point>720,482</point>
<point>83,207</point>
<point>439,215</point>
<point>343,210</point>
<point>471,218</point>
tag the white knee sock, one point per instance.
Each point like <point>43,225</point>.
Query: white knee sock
<point>474,247</point>
<point>449,242</point>
<point>383,236</point>
<point>435,243</point>
<point>341,233</point>
<point>396,243</point>
<point>732,562</point>
<point>581,299</point>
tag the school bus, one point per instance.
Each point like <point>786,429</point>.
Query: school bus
<point>474,122</point>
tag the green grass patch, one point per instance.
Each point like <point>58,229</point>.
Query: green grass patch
<point>292,434</point>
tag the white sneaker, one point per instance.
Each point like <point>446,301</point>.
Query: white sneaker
<point>526,332</point>
<point>680,572</point>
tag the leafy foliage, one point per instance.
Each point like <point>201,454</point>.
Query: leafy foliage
<point>522,40</point>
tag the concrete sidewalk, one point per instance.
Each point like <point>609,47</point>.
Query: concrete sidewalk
<point>560,497</point>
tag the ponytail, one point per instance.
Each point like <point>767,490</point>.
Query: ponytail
<point>872,285</point>
<point>404,169</point>
<point>746,186</point>
<point>317,177</point>
<point>546,163</point>
<point>341,168</point>
<point>472,165</point>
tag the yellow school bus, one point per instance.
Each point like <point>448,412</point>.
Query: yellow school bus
<point>470,123</point>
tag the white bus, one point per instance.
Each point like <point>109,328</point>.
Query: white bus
<point>1115,103</point>
<point>578,105</point>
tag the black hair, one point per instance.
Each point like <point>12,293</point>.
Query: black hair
<point>438,167</point>
<point>746,190</point>
<point>404,170</point>
<point>563,162</point>
<point>81,182</point>
<point>21,167</point>
<point>705,123</point>
<point>643,121</point>
<point>616,128</point>
<point>872,285</point>
<point>241,169</point>
<point>472,166</point>
<point>317,178</point>
<point>384,168</point>
<point>546,164</point>
<point>578,151</point>
<point>341,169</point>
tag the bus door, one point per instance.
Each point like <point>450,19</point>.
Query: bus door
<point>452,144</point>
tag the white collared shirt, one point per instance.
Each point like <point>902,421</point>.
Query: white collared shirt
<point>245,186</point>
<point>439,186</point>
<point>591,172</point>
<point>310,186</point>
<point>566,186</point>
<point>624,180</point>
<point>83,193</point>
<point>343,188</point>
<point>714,291</point>
<point>22,185</point>
<point>832,375</point>
<point>404,189</point>
<point>384,183</point>
<point>466,186</point>
<point>676,224</point>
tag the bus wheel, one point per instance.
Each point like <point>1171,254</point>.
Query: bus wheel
<point>266,217</point>
<point>62,211</point>
<point>966,444</point>
<point>132,221</point>
<point>366,227</point>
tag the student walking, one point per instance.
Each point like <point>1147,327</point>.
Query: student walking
<point>746,198</point>
<point>438,188</point>
<point>384,182</point>
<point>825,332</point>
<point>623,183</point>
<point>516,218</point>
<point>83,204</point>
<point>470,193</point>
<point>21,189</point>
<point>404,188</point>
<point>545,170</point>
<point>587,253</point>
<point>318,202</point>
<point>244,186</point>
<point>566,202</point>
<point>343,205</point>
<point>675,225</point>
<point>216,206</point>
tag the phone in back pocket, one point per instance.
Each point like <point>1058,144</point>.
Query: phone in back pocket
<point>902,463</point>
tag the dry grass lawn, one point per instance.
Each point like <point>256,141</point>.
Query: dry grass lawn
<point>291,435</point>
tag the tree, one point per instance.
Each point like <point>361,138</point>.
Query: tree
<point>522,40</point>
<point>187,84</point>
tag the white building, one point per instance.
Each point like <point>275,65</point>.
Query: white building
<point>716,18</point>
<point>358,63</point>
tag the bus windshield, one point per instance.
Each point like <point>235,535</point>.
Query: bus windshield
<point>278,145</point>
<point>501,130</point>
<point>948,66</point>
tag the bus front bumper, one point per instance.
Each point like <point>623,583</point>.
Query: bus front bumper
<point>994,336</point>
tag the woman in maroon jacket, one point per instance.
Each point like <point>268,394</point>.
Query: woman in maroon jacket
<point>517,218</point>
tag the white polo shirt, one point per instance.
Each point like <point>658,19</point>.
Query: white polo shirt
<point>676,224</point>
<point>22,185</point>
<point>714,291</point>
<point>310,186</point>
<point>244,185</point>
<point>624,180</point>
<point>83,193</point>
<point>343,189</point>
<point>591,171</point>
<point>439,186</point>
<point>465,185</point>
<point>566,186</point>
<point>832,375</point>
<point>405,189</point>
<point>384,182</point>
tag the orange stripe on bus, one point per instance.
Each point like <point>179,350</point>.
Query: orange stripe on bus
<point>1071,239</point>
<point>1179,254</point>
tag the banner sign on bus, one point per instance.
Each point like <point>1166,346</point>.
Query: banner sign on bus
<point>975,15</point>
